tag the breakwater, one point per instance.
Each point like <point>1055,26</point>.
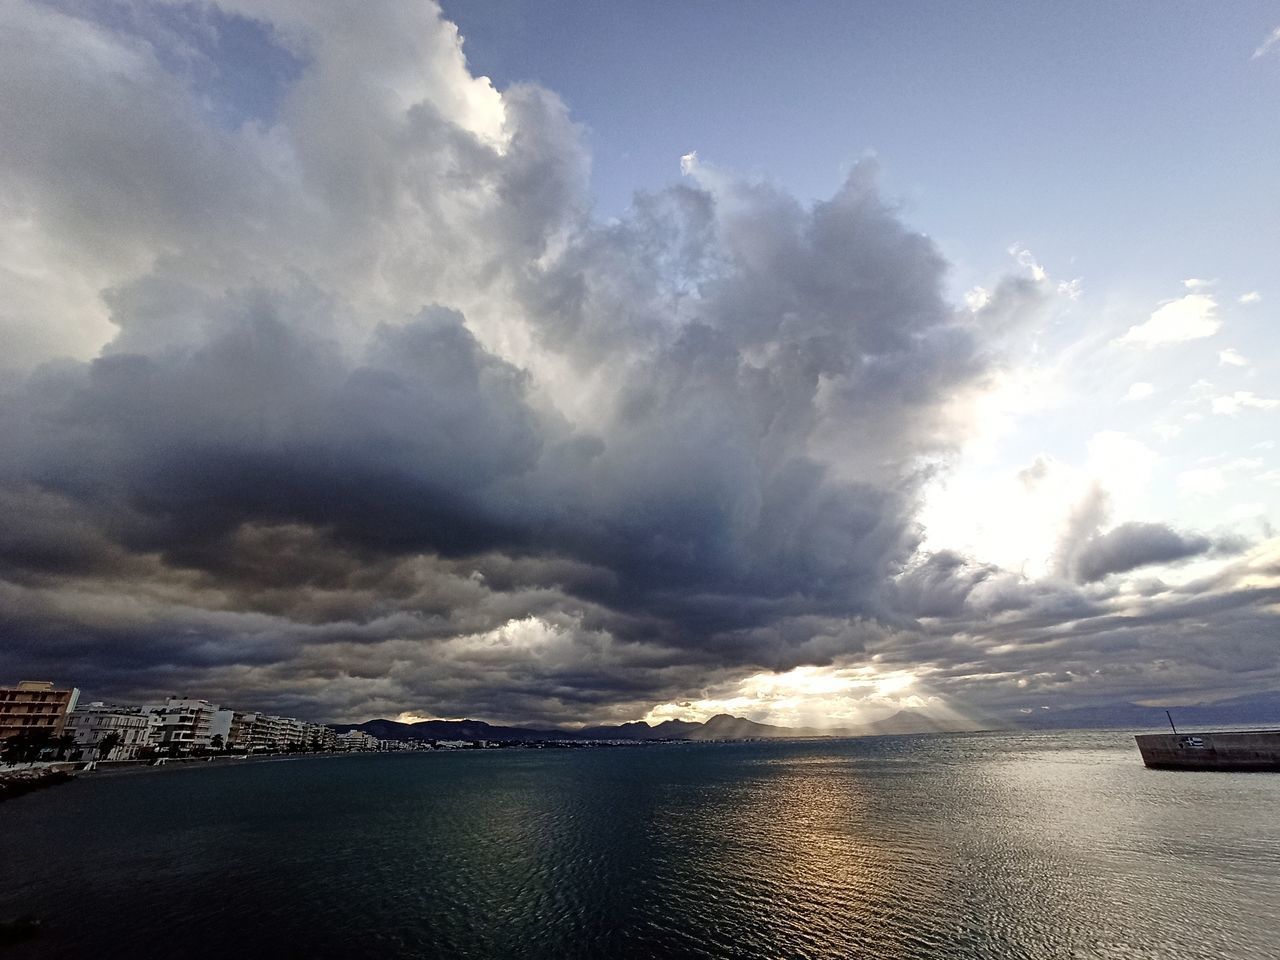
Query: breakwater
<point>1234,750</point>
<point>14,783</point>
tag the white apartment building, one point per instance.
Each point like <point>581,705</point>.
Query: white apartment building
<point>356,740</point>
<point>92,724</point>
<point>181,724</point>
<point>220,728</point>
<point>292,732</point>
<point>274,731</point>
<point>241,733</point>
<point>327,736</point>
<point>252,732</point>
<point>261,733</point>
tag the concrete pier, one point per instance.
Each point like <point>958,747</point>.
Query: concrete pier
<point>1243,750</point>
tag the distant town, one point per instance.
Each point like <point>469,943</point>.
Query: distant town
<point>42,722</point>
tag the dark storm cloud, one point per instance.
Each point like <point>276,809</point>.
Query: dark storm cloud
<point>389,421</point>
<point>940,584</point>
<point>776,372</point>
<point>1133,545</point>
<point>772,375</point>
<point>266,423</point>
<point>1087,555</point>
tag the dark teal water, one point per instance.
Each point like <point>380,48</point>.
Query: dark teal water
<point>1033,846</point>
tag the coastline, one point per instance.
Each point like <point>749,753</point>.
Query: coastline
<point>17,783</point>
<point>115,768</point>
<point>20,781</point>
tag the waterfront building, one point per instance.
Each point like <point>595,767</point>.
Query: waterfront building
<point>262,733</point>
<point>292,732</point>
<point>220,728</point>
<point>320,736</point>
<point>249,731</point>
<point>356,740</point>
<point>240,734</point>
<point>93,724</point>
<point>274,730</point>
<point>269,732</point>
<point>182,724</point>
<point>177,726</point>
<point>35,706</point>
<point>328,737</point>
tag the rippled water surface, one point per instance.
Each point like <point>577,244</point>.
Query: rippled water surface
<point>1007,845</point>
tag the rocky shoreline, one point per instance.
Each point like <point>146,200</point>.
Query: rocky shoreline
<point>14,783</point>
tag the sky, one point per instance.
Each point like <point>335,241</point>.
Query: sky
<point>579,363</point>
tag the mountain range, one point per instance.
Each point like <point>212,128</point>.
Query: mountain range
<point>1251,709</point>
<point>720,727</point>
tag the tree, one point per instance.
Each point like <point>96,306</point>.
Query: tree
<point>11,748</point>
<point>109,743</point>
<point>41,740</point>
<point>217,741</point>
<point>64,743</point>
<point>27,745</point>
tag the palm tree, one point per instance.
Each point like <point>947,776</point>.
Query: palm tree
<point>11,749</point>
<point>64,743</point>
<point>27,745</point>
<point>109,743</point>
<point>217,742</point>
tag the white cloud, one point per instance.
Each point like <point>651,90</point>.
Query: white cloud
<point>1253,296</point>
<point>1194,283</point>
<point>1188,318</point>
<point>1265,47</point>
<point>1026,259</point>
<point>1072,289</point>
<point>1139,390</point>
<point>1232,404</point>
<point>689,162</point>
<point>977,298</point>
<point>1232,358</point>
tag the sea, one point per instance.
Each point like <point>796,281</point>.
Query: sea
<point>1007,845</point>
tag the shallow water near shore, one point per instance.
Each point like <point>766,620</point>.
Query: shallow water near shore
<point>974,846</point>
